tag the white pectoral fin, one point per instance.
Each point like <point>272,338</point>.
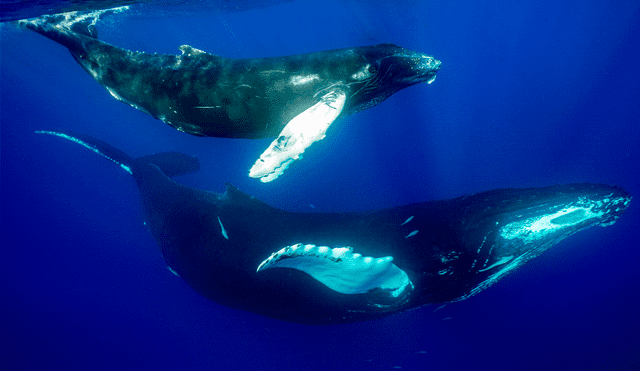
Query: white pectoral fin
<point>346,272</point>
<point>301,132</point>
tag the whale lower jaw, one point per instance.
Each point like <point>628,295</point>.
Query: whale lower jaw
<point>346,272</point>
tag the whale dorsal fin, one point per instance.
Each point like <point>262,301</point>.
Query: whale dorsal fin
<point>234,193</point>
<point>301,132</point>
<point>86,28</point>
<point>190,51</point>
<point>236,198</point>
<point>173,163</point>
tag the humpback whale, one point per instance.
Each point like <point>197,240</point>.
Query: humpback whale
<point>294,98</point>
<point>328,268</point>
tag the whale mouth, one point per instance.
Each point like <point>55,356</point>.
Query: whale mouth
<point>346,272</point>
<point>417,67</point>
<point>430,66</point>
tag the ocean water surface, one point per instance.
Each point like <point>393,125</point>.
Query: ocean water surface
<point>530,93</point>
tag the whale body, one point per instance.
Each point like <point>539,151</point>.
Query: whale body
<point>328,268</point>
<point>294,98</point>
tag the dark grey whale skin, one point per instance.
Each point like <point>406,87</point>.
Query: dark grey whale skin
<point>455,254</point>
<point>209,95</point>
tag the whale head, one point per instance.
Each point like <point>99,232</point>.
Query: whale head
<point>545,219</point>
<point>511,227</point>
<point>386,69</point>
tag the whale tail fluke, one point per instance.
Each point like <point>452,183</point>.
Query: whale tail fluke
<point>170,163</point>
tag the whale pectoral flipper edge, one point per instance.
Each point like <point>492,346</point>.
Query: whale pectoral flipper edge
<point>346,272</point>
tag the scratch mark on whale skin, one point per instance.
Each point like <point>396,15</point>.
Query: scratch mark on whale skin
<point>224,232</point>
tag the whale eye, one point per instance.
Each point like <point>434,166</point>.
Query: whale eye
<point>373,69</point>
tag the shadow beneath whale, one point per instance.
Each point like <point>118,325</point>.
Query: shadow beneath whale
<point>327,268</point>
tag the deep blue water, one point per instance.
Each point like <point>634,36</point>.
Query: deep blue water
<point>530,93</point>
